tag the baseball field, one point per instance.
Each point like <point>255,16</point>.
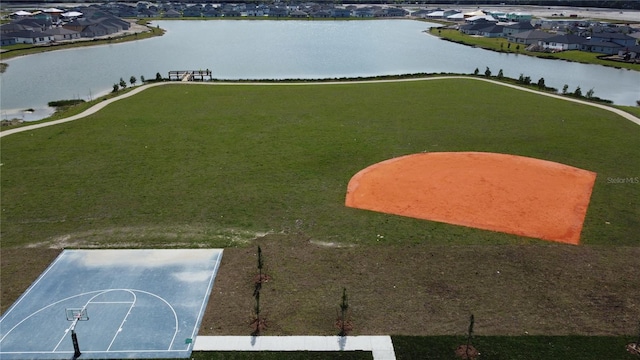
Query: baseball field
<point>237,166</point>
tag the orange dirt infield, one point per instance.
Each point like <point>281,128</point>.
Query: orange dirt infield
<point>499,192</point>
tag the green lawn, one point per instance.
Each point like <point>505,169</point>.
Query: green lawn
<point>217,164</point>
<point>515,347</point>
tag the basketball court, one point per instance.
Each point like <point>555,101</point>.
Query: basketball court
<point>112,304</point>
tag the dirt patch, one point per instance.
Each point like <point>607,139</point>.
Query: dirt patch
<point>429,290</point>
<point>506,193</point>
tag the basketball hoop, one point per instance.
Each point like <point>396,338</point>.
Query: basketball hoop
<point>75,315</point>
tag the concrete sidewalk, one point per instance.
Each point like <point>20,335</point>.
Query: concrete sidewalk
<point>380,346</point>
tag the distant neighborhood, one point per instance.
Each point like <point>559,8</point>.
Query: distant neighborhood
<point>537,34</point>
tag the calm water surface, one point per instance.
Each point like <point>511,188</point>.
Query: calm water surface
<point>239,49</point>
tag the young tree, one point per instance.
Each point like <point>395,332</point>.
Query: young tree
<point>123,84</point>
<point>343,324</point>
<point>158,77</point>
<point>541,84</point>
<point>527,80</point>
<point>470,334</point>
<point>521,79</point>
<point>565,89</point>
<point>258,323</point>
<point>132,80</point>
<point>578,92</point>
<point>487,72</point>
<point>590,94</point>
<point>476,71</point>
<point>116,87</point>
<point>142,79</point>
<point>500,74</point>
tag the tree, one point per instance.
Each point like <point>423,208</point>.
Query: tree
<point>133,80</point>
<point>343,324</point>
<point>590,94</point>
<point>116,87</point>
<point>578,92</point>
<point>123,84</point>
<point>527,80</point>
<point>158,77</point>
<point>541,84</point>
<point>258,323</point>
<point>476,71</point>
<point>142,79</point>
<point>565,88</point>
<point>521,79</point>
<point>470,334</point>
<point>487,72</point>
<point>500,74</point>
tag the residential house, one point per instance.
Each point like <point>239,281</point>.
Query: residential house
<point>562,42</point>
<point>15,27</point>
<point>299,14</point>
<point>530,37</point>
<point>601,47</point>
<point>278,12</point>
<point>631,53</point>
<point>614,37</point>
<point>516,28</point>
<point>322,14</point>
<point>193,11</point>
<point>519,17</point>
<point>62,34</point>
<point>364,12</point>
<point>492,31</point>
<point>171,14</point>
<point>340,13</point>
<point>212,12</point>
<point>396,12</point>
<point>29,37</point>
<point>475,28</point>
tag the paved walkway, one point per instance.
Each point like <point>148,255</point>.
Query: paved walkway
<point>380,346</point>
<point>102,104</point>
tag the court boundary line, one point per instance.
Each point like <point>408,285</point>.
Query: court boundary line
<point>204,299</point>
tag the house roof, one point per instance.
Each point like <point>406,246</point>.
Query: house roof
<point>493,29</point>
<point>533,34</point>
<point>523,25</point>
<point>22,13</point>
<point>611,35</point>
<point>566,39</point>
<point>593,42</point>
<point>59,31</point>
<point>72,14</point>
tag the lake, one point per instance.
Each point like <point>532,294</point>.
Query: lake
<point>250,49</point>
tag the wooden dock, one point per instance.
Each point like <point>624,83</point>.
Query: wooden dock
<point>190,75</point>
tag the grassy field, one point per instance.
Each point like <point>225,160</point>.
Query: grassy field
<point>237,166</point>
<point>221,162</point>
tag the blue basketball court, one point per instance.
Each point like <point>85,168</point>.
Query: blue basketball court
<point>119,303</point>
